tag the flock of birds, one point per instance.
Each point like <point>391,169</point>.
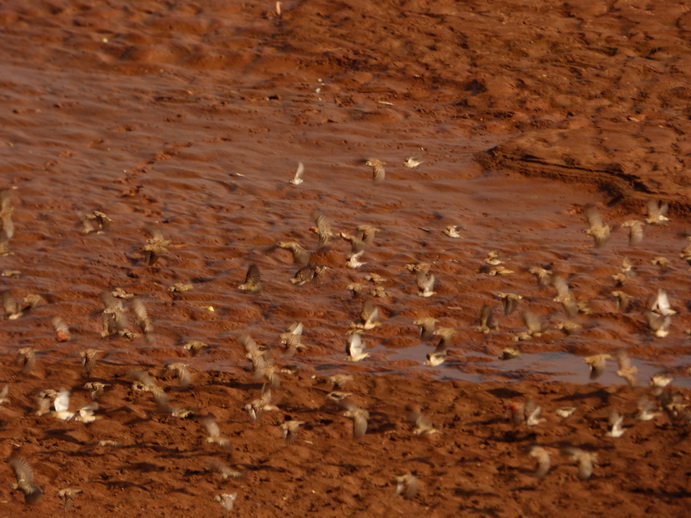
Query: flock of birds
<point>119,308</point>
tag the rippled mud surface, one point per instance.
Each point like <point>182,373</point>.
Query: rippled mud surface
<point>191,118</point>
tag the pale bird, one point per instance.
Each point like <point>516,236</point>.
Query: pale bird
<point>26,358</point>
<point>407,486</point>
<point>542,457</point>
<point>585,460</point>
<point>224,469</point>
<point>646,410</point>
<point>487,320</point>
<point>339,381</point>
<point>660,304</point>
<point>322,229</point>
<point>635,231</point>
<point>95,222</point>
<point>438,356</point>
<point>155,245</point>
<point>543,275</point>
<point>657,213</point>
<point>378,172</point>
<point>141,316</point>
<point>426,327</point>
<point>355,348</point>
<point>62,330</point>
<point>452,232</point>
<point>359,417</point>
<point>615,425</point>
<point>565,296</point>
<point>597,229</point>
<point>412,162</point>
<point>297,178</point>
<point>263,404</point>
<point>626,370</point>
<point>509,353</point>
<point>227,500</point>
<point>182,372</point>
<point>213,433</point>
<point>659,325</point>
<point>195,347</point>
<point>369,316</point>
<point>565,412</point>
<point>3,395</point>
<point>423,425</point>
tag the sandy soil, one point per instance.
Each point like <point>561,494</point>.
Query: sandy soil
<point>191,118</point>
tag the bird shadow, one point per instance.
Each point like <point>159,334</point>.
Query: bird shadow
<point>467,493</point>
<point>600,393</point>
<point>145,467</point>
<point>263,467</point>
<point>121,484</point>
<point>505,393</point>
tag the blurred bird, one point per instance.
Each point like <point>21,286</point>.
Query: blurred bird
<point>426,327</point>
<point>224,469</point>
<point>407,486</point>
<point>26,358</point>
<point>355,348</point>
<point>615,422</point>
<point>487,321</point>
<point>565,296</point>
<point>378,172</point>
<point>322,229</point>
<point>297,179</point>
<point>598,230</point>
<point>253,282</point>
<point>660,304</point>
<point>452,231</point>
<point>89,358</point>
<point>227,500</point>
<point>339,381</point>
<point>646,410</point>
<point>509,301</point>
<point>25,479</point>
<point>438,356</point>
<point>369,316</point>
<point>263,404</point>
<point>195,347</point>
<point>301,256</point>
<point>290,430</point>
<point>543,275</point>
<point>624,300</point>
<point>659,325</point>
<point>182,372</point>
<point>62,330</point>
<point>412,162</point>
<point>626,370</point>
<point>95,222</point>
<point>67,495</point>
<point>214,433</point>
<point>543,461</point>
<point>657,213</point>
<point>597,364</point>
<point>585,460</point>
<point>61,405</point>
<point>155,246</point>
<point>141,317</point>
<point>423,426</point>
<point>359,417</point>
<point>635,231</point>
<point>309,273</point>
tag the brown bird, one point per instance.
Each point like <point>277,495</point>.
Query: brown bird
<point>598,230</point>
<point>309,273</point>
<point>290,430</point>
<point>214,433</point>
<point>141,316</point>
<point>182,372</point>
<point>423,426</point>
<point>224,469</point>
<point>635,231</point>
<point>339,381</point>
<point>543,275</point>
<point>359,242</point>
<point>378,172</point>
<point>113,319</point>
<point>359,417</point>
<point>322,228</point>
<point>62,330</point>
<point>26,359</point>
<point>657,213</point>
<point>25,479</point>
<point>565,296</point>
<point>426,327</point>
<point>438,356</point>
<point>597,364</point>
<point>67,496</point>
<point>253,282</point>
<point>195,347</point>
<point>624,300</point>
<point>626,370</point>
<point>301,256</point>
<point>95,222</point>
<point>369,316</point>
<point>89,358</point>
<point>509,301</point>
<point>487,321</point>
<point>155,246</point>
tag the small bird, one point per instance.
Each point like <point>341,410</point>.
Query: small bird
<point>291,339</point>
<point>378,172</point>
<point>263,404</point>
<point>6,210</point>
<point>89,358</point>
<point>10,306</point>
<point>309,273</point>
<point>301,256</point>
<point>322,229</point>
<point>658,324</point>
<point>163,405</point>
<point>359,417</point>
<point>509,353</point>
<point>635,231</point>
<point>61,405</point>
<point>407,486</point>
<point>543,275</point>
<point>646,410</point>
<point>113,319</point>
<point>597,229</point>
<point>297,179</point>
<point>487,320</point>
<point>369,316</point>
<point>339,381</point>
<point>532,322</point>
<point>569,328</point>
<point>62,330</point>
<point>509,301</point>
<point>3,395</point>
<point>661,379</point>
<point>426,327</point>
<point>214,433</point>
<point>67,496</point>
<point>626,370</point>
<point>438,356</point>
<point>565,412</point>
<point>355,348</point>
<point>412,162</point>
<point>452,232</point>
<point>224,469</point>
<point>26,358</point>
<point>85,413</point>
<point>96,389</point>
<point>660,304</point>
<point>290,430</point>
<point>25,479</point>
<point>95,222</point>
<point>597,364</point>
<point>662,262</point>
<point>657,213</point>
<point>178,287</point>
<point>585,459</point>
<point>253,282</point>
<point>565,296</point>
<point>359,242</point>
<point>141,316</point>
<point>532,413</point>
<point>227,500</point>
<point>182,372</point>
<point>624,300</point>
<point>423,426</point>
<point>195,347</point>
<point>155,245</point>
<point>425,283</point>
<point>615,428</point>
<point>543,461</point>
